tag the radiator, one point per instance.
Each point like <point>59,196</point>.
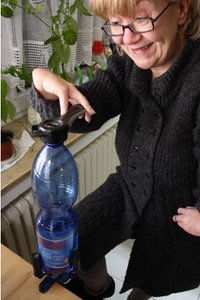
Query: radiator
<point>95,162</point>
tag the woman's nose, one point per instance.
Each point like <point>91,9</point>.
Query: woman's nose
<point>130,37</point>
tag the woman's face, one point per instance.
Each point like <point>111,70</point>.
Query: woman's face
<point>157,49</point>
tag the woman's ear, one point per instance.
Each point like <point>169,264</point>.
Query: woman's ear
<point>184,6</point>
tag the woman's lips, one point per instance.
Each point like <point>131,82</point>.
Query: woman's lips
<point>140,50</point>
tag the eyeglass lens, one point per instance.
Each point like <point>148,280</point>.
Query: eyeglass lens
<point>140,25</point>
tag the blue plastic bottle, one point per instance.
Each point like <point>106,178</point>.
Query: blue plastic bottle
<point>55,189</point>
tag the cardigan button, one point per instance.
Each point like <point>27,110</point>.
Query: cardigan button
<point>134,167</point>
<point>139,127</point>
<point>133,184</point>
<point>154,132</point>
<point>147,175</point>
<point>145,192</point>
<point>135,149</point>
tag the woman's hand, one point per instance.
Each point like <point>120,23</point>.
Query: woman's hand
<point>188,219</point>
<point>53,87</point>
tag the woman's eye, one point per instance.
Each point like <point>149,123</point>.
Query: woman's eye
<point>142,21</point>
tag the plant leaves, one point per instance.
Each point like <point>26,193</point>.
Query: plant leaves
<point>21,72</point>
<point>72,9</point>
<point>67,77</point>
<point>38,8</point>
<point>28,7</point>
<point>65,54</point>
<point>70,30</point>
<point>11,110</point>
<point>4,89</point>
<point>25,74</point>
<point>13,4</point>
<point>70,37</point>
<point>6,11</point>
<point>84,11</point>
<point>82,8</point>
<point>54,19</point>
<point>4,110</point>
<point>71,23</point>
<point>52,39</point>
<point>8,110</point>
<point>56,69</point>
<point>80,74</point>
<point>54,60</point>
<point>7,107</point>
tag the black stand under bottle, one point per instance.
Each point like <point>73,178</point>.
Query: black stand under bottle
<point>55,188</point>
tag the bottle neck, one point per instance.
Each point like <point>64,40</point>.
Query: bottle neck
<point>55,211</point>
<point>54,145</point>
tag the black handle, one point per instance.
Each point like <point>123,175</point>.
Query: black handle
<point>37,264</point>
<point>72,114</point>
<point>64,121</point>
<point>46,283</point>
<point>55,130</point>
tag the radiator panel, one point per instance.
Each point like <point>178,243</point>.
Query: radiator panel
<point>95,162</point>
<point>17,228</point>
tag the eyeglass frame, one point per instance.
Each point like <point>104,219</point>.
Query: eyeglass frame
<point>153,20</point>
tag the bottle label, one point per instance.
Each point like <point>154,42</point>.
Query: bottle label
<point>55,253</point>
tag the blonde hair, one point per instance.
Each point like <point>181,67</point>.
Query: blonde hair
<point>104,8</point>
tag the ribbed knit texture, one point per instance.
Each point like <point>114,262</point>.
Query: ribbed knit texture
<point>158,143</point>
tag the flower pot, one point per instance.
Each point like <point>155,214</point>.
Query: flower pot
<point>6,144</point>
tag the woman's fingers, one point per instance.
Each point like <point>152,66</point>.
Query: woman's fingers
<point>184,213</point>
<point>74,97</point>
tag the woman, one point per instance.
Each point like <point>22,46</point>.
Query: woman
<point>155,88</point>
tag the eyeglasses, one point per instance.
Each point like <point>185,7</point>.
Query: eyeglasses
<point>140,25</point>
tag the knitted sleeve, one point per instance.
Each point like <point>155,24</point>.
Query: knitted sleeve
<point>197,154</point>
<point>46,108</point>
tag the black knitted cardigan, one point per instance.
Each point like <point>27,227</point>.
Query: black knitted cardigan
<point>158,144</point>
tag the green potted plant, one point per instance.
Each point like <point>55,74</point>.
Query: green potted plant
<point>8,111</point>
<point>20,72</point>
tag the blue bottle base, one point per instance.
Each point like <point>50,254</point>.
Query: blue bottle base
<point>60,275</point>
<point>57,238</point>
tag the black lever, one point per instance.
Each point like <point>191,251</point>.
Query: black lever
<point>55,130</point>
